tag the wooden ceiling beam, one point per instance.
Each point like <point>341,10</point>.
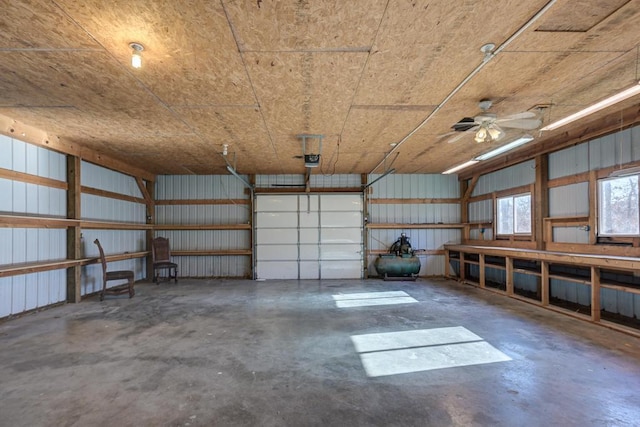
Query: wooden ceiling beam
<point>29,134</point>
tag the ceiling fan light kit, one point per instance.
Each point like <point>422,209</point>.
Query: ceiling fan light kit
<point>487,127</point>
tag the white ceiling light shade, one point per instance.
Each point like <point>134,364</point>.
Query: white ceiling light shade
<point>510,146</point>
<point>494,133</point>
<point>459,167</point>
<point>481,135</point>
<point>136,54</point>
<point>618,97</point>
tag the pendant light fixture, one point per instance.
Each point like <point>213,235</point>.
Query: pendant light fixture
<point>136,54</point>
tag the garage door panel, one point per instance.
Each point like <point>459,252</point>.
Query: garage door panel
<point>310,220</point>
<point>277,235</point>
<point>309,269</point>
<point>277,219</point>
<point>308,203</point>
<point>277,269</point>
<point>277,252</point>
<point>339,252</point>
<point>341,219</point>
<point>309,252</point>
<point>341,202</point>
<point>341,269</point>
<point>341,235</point>
<point>309,235</point>
<point>276,204</point>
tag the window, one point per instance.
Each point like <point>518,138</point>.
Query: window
<point>514,214</point>
<point>618,208</point>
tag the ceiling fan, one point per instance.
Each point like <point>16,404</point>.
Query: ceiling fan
<point>487,127</point>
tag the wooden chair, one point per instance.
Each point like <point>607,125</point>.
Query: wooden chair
<point>114,275</point>
<point>161,253</point>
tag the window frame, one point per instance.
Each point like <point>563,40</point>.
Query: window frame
<point>514,234</point>
<point>599,232</point>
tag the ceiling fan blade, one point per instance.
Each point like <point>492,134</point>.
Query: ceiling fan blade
<point>461,135</point>
<point>528,124</point>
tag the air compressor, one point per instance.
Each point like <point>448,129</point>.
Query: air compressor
<point>401,263</point>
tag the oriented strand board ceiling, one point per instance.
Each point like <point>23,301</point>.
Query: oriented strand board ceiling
<point>254,74</point>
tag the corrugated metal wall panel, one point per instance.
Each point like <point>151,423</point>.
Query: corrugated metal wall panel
<point>272,181</point>
<point>570,161</point>
<point>503,179</point>
<point>415,186</point>
<point>202,214</point>
<point>108,209</point>
<point>6,147</point>
<point>571,291</point>
<point>23,198</point>
<point>336,180</point>
<point>569,200</point>
<point>20,245</point>
<point>614,149</point>
<point>447,213</point>
<point>106,179</point>
<point>570,235</point>
<point>205,187</point>
<point>207,266</point>
<point>481,211</point>
<point>185,187</point>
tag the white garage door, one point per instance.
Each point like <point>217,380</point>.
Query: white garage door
<point>315,236</point>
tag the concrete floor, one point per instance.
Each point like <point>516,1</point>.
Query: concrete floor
<point>280,353</point>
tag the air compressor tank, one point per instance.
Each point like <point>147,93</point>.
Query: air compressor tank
<point>400,263</point>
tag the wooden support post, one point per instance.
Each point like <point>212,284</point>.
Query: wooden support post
<point>482,272</point>
<point>149,190</point>
<point>74,233</point>
<point>541,200</point>
<point>447,266</point>
<point>366,231</point>
<point>593,207</point>
<point>595,294</point>
<point>464,212</point>
<point>544,283</point>
<point>509,274</point>
<point>252,223</point>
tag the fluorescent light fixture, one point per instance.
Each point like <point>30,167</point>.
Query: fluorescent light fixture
<point>459,167</point>
<point>510,146</point>
<point>621,96</point>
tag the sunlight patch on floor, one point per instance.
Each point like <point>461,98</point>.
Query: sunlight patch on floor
<point>403,352</point>
<point>372,299</point>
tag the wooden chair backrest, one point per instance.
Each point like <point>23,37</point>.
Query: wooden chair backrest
<point>103,261</point>
<point>160,250</point>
